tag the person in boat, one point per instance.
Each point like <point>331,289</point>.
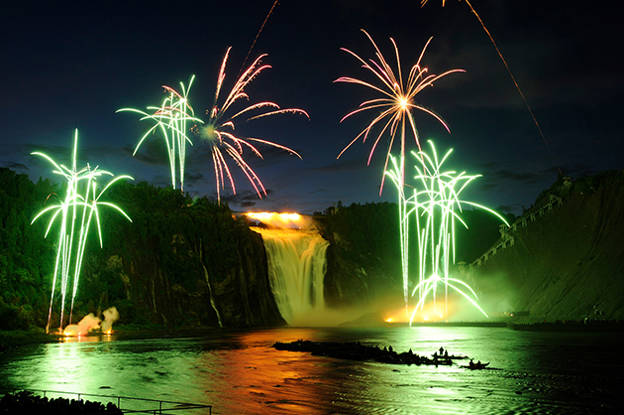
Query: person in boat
<point>446,356</point>
<point>441,350</point>
<point>471,364</point>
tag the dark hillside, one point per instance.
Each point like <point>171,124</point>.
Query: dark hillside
<point>564,258</point>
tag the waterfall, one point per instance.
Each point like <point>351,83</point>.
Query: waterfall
<point>296,265</point>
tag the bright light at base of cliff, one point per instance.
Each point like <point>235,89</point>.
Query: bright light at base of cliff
<point>431,312</point>
<point>434,312</point>
<point>276,219</point>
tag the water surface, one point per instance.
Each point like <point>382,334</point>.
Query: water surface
<point>540,372</point>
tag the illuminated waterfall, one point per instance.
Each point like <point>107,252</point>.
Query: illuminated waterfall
<point>296,265</point>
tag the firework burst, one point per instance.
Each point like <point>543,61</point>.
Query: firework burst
<point>172,119</point>
<point>393,108</point>
<point>219,129</point>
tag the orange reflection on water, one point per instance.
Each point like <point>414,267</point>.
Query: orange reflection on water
<point>256,376</point>
<point>90,338</point>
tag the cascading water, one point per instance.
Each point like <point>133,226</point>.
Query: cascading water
<point>297,264</point>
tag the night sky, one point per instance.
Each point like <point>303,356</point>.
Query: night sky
<point>65,72</point>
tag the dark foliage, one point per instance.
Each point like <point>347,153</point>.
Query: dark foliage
<point>26,403</point>
<point>26,258</point>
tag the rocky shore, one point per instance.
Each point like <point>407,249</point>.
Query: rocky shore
<point>360,352</point>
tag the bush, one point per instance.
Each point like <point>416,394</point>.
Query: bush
<point>25,402</point>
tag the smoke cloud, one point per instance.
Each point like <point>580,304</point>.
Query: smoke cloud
<point>87,324</point>
<point>91,323</point>
<point>111,315</point>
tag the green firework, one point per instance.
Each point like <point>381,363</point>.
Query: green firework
<point>76,212</point>
<point>171,119</point>
<point>436,203</point>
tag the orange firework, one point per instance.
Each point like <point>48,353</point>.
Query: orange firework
<point>396,103</point>
<point>218,130</point>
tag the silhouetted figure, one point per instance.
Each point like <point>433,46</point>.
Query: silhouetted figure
<point>441,350</point>
<point>446,354</point>
<point>471,364</point>
<point>390,348</point>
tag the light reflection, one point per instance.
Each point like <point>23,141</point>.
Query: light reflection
<point>241,373</point>
<point>262,377</point>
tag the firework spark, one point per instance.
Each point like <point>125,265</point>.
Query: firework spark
<point>393,108</point>
<point>218,129</point>
<point>171,118</point>
<point>76,212</point>
<point>437,205</point>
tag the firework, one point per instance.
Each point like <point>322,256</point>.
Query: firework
<point>436,204</point>
<point>172,119</point>
<point>218,130</point>
<point>504,61</point>
<point>396,176</point>
<point>76,213</point>
<point>393,107</point>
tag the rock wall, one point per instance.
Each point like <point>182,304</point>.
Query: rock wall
<point>563,259</point>
<point>194,263</point>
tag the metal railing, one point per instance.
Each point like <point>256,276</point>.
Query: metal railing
<point>157,406</point>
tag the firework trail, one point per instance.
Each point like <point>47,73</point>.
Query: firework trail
<point>253,44</point>
<point>393,109</point>
<point>396,176</point>
<point>172,119</point>
<point>76,213</point>
<point>218,130</point>
<point>507,68</point>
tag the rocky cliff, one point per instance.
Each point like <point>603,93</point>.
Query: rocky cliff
<point>563,259</point>
<point>185,261</point>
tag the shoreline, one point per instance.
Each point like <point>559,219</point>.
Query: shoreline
<point>12,339</point>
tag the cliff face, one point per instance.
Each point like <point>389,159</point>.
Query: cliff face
<point>186,287</point>
<point>564,258</point>
<point>244,296</point>
<point>363,259</point>
<point>191,262</point>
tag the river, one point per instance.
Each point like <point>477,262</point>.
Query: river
<point>239,372</point>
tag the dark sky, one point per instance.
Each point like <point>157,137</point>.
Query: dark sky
<point>63,72</point>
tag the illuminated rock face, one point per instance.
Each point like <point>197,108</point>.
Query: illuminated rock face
<point>566,259</point>
<point>296,265</point>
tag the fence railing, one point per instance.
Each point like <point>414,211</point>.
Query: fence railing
<point>153,406</point>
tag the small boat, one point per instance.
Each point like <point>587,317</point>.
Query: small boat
<point>476,366</point>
